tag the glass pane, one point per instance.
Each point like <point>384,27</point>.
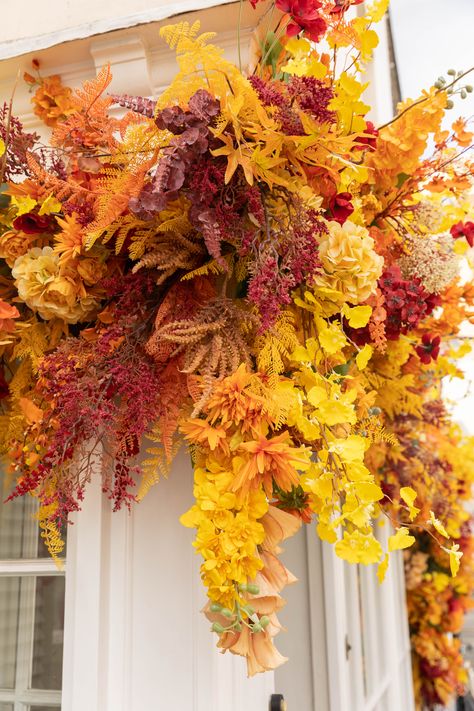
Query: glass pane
<point>9,606</point>
<point>39,708</point>
<point>18,529</point>
<point>6,707</point>
<point>48,633</point>
<point>20,535</point>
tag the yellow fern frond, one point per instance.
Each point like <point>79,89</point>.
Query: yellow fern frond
<point>376,432</point>
<point>22,379</point>
<point>50,533</point>
<point>159,463</point>
<point>276,344</point>
<point>182,36</point>
<point>211,267</point>
<point>32,344</point>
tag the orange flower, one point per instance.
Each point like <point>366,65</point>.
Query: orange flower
<point>52,100</point>
<point>232,399</point>
<point>7,314</point>
<point>270,459</point>
<point>258,649</point>
<point>202,432</point>
<point>68,243</point>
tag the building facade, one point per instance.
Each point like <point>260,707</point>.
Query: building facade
<point>119,628</point>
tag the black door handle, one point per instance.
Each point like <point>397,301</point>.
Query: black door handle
<point>277,703</point>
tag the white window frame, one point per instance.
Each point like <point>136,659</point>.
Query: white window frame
<point>28,570</point>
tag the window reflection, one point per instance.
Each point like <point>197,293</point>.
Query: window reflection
<point>9,607</point>
<point>48,633</point>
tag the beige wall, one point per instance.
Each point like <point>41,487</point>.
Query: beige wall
<point>28,25</point>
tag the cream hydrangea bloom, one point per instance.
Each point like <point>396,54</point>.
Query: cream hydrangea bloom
<point>48,289</point>
<point>349,261</point>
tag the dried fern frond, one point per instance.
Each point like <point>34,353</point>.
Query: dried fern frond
<point>214,343</point>
<point>170,253</point>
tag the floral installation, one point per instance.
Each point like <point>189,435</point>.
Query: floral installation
<point>247,266</point>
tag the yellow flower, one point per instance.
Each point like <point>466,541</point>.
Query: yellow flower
<point>47,290</point>
<point>357,547</point>
<point>350,262</point>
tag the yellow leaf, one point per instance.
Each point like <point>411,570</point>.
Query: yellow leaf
<point>335,412</point>
<point>316,395</point>
<point>368,492</point>
<point>401,539</point>
<point>357,316</point>
<point>377,10</point>
<point>51,204</point>
<point>460,247</point>
<point>349,449</point>
<point>363,357</point>
<point>24,204</point>
<point>408,495</point>
<point>438,525</point>
<point>455,556</point>
<point>332,339</point>
<point>326,533</point>
<point>2,147</point>
<point>357,547</point>
<point>382,569</point>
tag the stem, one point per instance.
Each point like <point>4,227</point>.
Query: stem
<point>3,164</point>
<point>426,98</point>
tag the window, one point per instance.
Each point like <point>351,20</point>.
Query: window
<point>31,612</point>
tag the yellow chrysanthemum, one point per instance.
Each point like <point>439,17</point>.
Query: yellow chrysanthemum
<point>349,261</point>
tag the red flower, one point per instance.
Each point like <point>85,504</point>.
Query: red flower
<point>341,6</point>
<point>340,207</point>
<point>4,389</point>
<point>304,18</point>
<point>464,229</point>
<point>429,348</point>
<point>366,140</point>
<point>32,224</point>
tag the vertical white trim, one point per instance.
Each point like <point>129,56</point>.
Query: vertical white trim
<point>336,617</point>
<point>82,673</point>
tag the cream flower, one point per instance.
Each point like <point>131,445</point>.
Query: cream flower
<point>432,260</point>
<point>49,290</point>
<point>349,261</point>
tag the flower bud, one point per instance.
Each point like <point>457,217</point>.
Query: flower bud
<point>264,621</point>
<point>449,104</point>
<point>463,93</point>
<point>452,72</point>
<point>469,88</point>
<point>226,612</point>
<point>216,627</point>
<point>243,587</point>
<point>215,607</point>
<point>257,627</point>
<point>253,589</point>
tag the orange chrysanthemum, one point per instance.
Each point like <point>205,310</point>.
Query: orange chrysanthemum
<point>268,460</point>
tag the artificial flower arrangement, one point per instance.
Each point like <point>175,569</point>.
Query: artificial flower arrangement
<point>249,267</point>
